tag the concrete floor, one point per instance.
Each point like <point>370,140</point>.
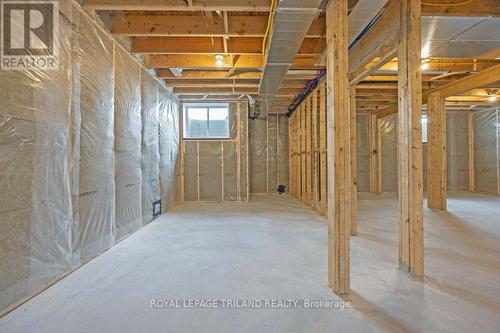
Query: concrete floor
<point>276,248</point>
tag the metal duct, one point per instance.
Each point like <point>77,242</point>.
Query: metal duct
<point>292,20</point>
<point>361,15</point>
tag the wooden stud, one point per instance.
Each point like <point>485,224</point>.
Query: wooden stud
<point>315,150</point>
<point>338,119</point>
<point>498,150</point>
<point>302,153</point>
<point>436,152</point>
<point>323,148</point>
<point>373,132</point>
<point>378,124</point>
<point>354,177</point>
<point>470,130</point>
<point>411,249</point>
<point>308,133</point>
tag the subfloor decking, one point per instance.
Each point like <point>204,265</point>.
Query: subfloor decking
<point>276,248</point>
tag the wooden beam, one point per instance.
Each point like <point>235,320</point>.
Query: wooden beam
<point>482,78</point>
<point>379,43</point>
<point>208,62</point>
<point>195,26</point>
<point>179,5</point>
<point>411,250</point>
<point>214,45</point>
<point>208,74</point>
<point>338,133</point>
<point>353,166</point>
<point>436,152</point>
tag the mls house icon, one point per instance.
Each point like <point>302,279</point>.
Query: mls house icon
<point>30,31</point>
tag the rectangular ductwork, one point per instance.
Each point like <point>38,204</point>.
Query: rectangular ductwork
<point>292,20</point>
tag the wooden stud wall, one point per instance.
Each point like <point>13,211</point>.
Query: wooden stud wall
<point>308,147</point>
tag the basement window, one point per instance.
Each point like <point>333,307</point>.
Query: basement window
<point>206,121</point>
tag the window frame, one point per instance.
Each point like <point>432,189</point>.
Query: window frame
<point>207,106</point>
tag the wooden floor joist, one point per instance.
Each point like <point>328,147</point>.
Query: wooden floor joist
<point>338,118</point>
<point>411,250</point>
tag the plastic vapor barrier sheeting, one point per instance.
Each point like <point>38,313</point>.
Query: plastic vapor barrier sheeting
<point>363,152</point>
<point>96,202</point>
<point>215,170</point>
<point>169,150</point>
<point>73,154</point>
<point>457,151</point>
<point>268,153</point>
<point>150,149</point>
<point>128,156</point>
<point>486,151</point>
<point>258,155</point>
<point>485,142</point>
<point>389,137</point>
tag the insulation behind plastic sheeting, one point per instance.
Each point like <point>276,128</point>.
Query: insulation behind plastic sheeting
<point>389,130</point>
<point>272,153</point>
<point>210,157</point>
<point>363,152</point>
<point>128,138</point>
<point>96,203</point>
<point>169,147</point>
<point>150,153</point>
<point>283,153</point>
<point>191,166</point>
<point>70,148</point>
<point>216,170</point>
<point>244,152</point>
<point>230,163</point>
<point>258,155</point>
<point>268,153</point>
<point>486,151</point>
<point>457,151</point>
<point>35,164</point>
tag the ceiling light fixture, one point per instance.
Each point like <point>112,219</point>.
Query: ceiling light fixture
<point>425,64</point>
<point>218,60</point>
<point>492,98</point>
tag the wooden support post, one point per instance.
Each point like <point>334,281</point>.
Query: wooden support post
<point>338,133</point>
<point>354,177</point>
<point>290,155</point>
<point>302,153</point>
<point>315,149</point>
<point>379,156</point>
<point>322,148</point>
<point>436,152</point>
<point>470,118</point>
<point>308,151</point>
<point>411,244</point>
<point>374,152</point>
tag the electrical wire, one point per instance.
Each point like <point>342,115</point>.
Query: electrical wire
<point>269,23</point>
<point>447,4</point>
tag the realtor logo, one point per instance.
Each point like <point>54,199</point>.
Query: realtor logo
<point>30,31</point>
